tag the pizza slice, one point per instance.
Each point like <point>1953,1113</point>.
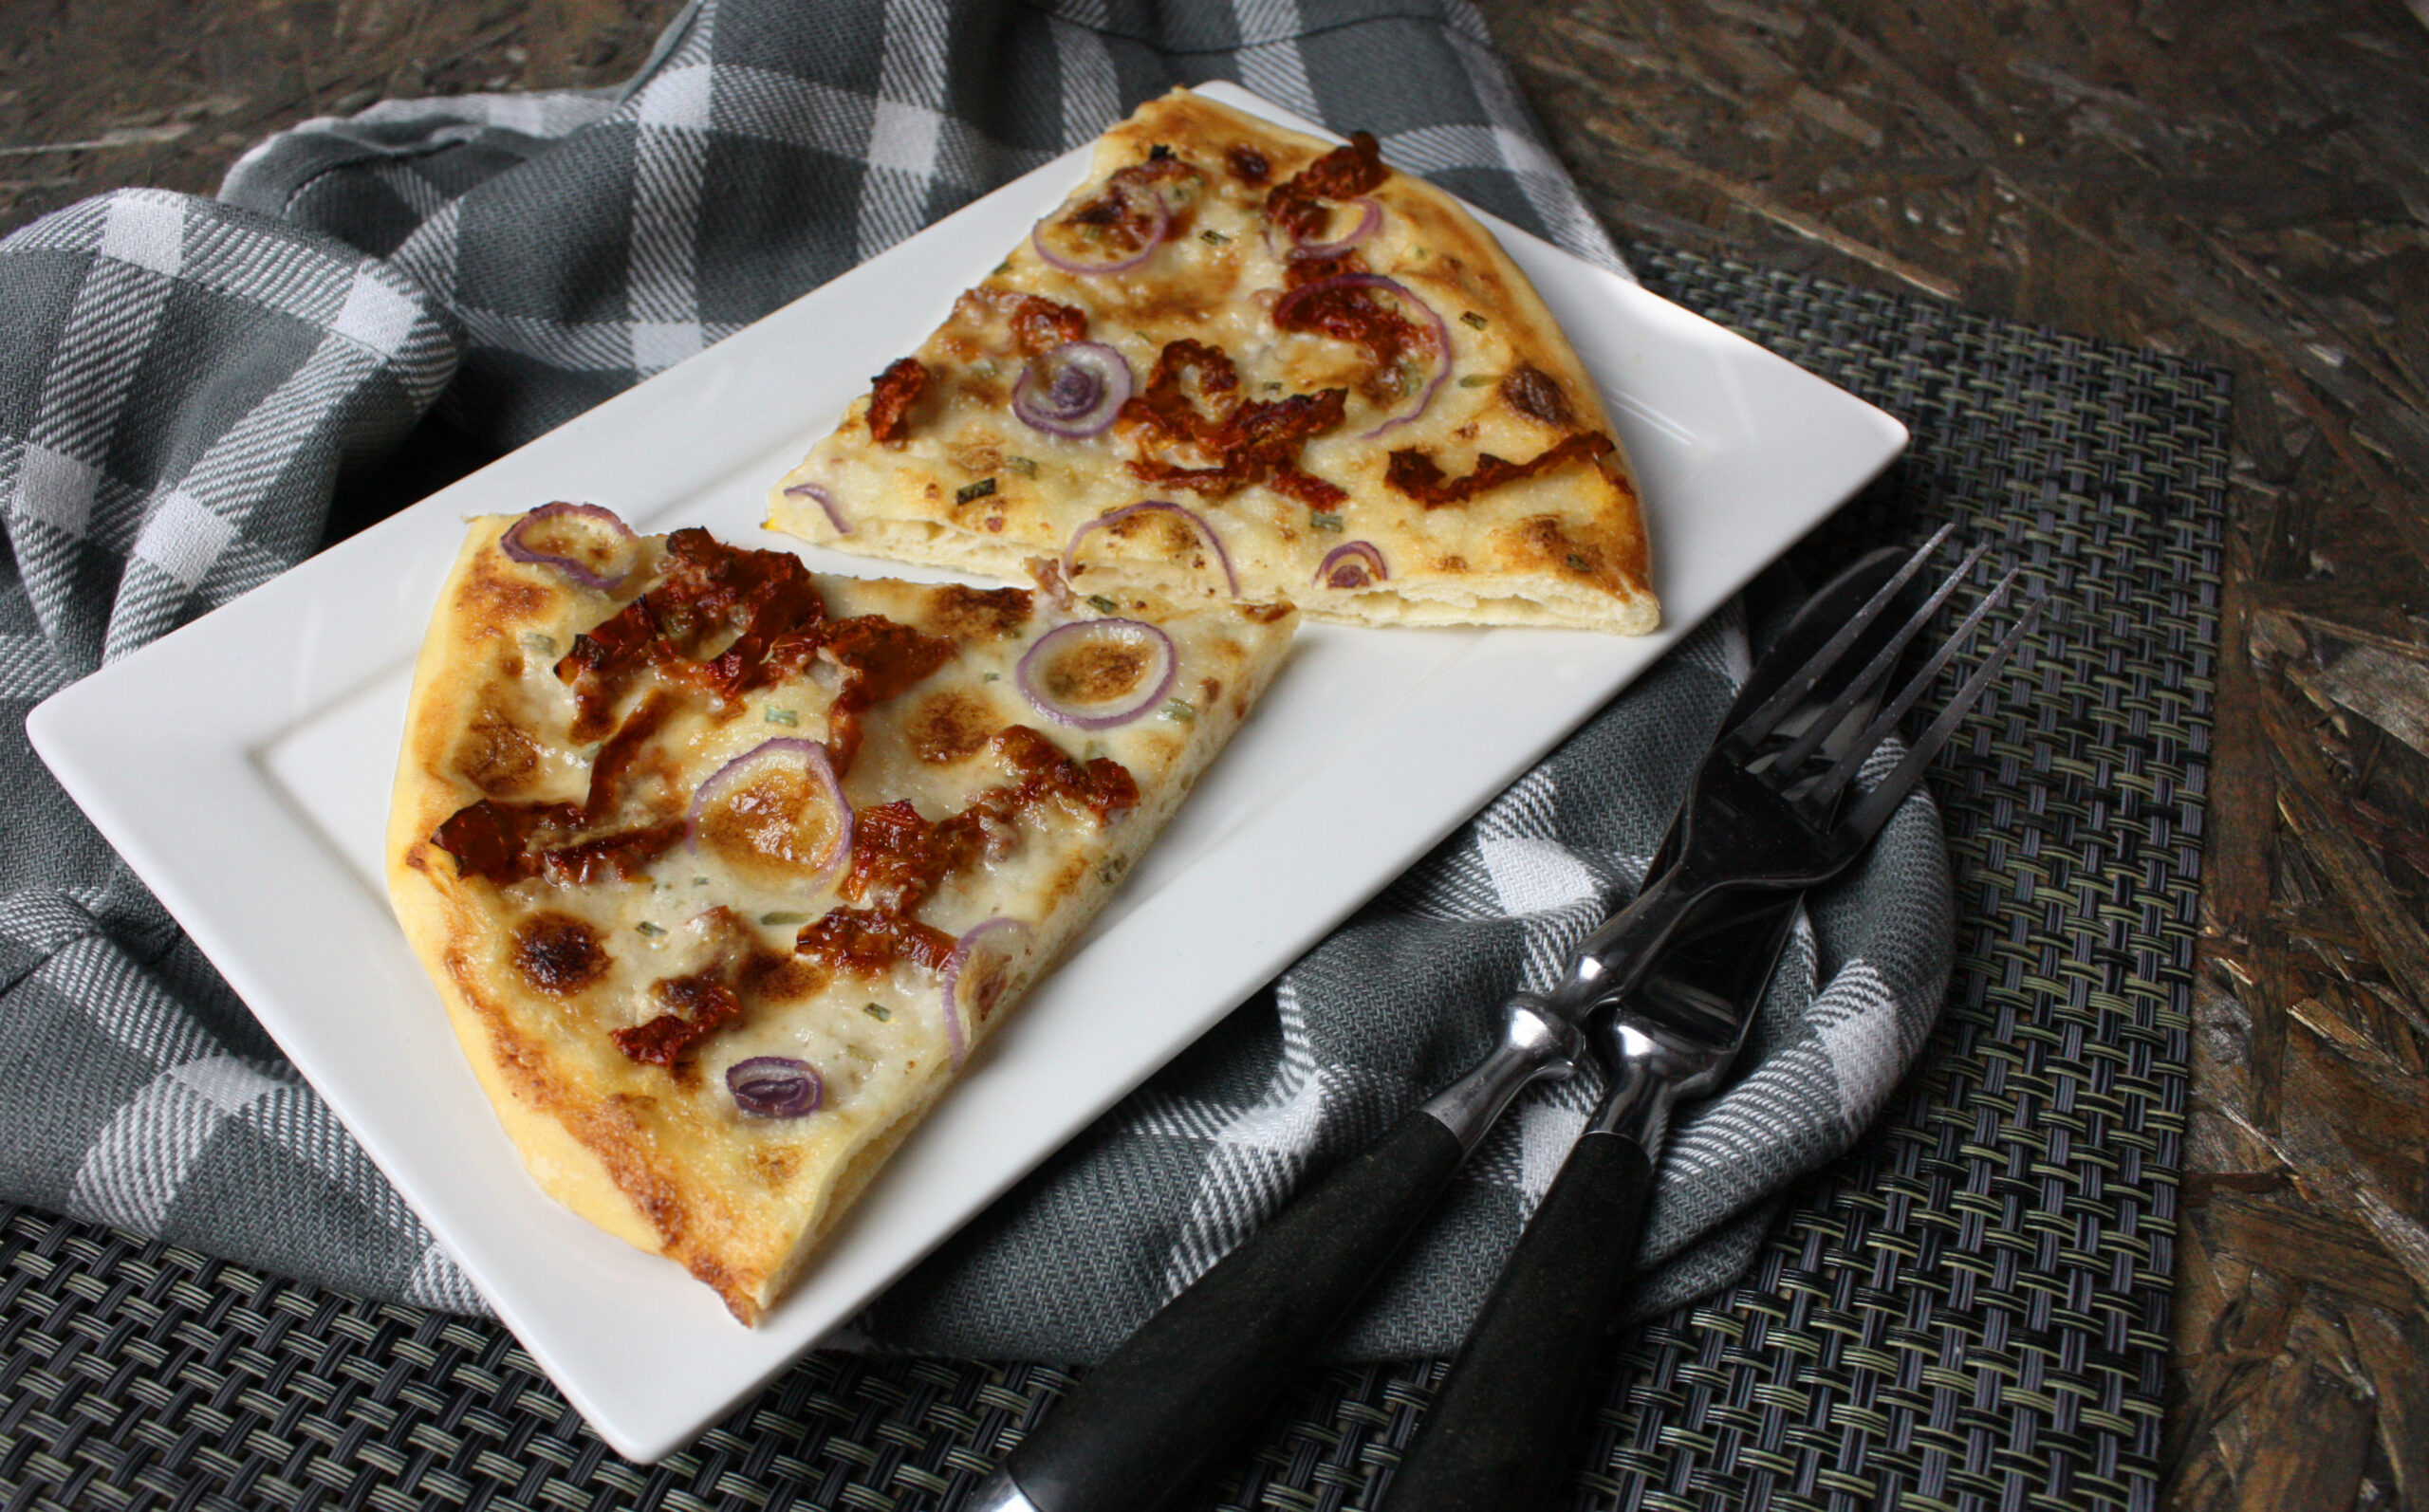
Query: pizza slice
<point>723,869</point>
<point>1242,362</point>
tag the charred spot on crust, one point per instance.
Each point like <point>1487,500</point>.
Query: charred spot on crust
<point>1537,395</point>
<point>558,953</point>
<point>951,725</point>
<point>964,613</point>
<point>1247,164</point>
<point>497,601</point>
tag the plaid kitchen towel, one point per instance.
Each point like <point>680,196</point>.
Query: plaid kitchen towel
<point>187,386</point>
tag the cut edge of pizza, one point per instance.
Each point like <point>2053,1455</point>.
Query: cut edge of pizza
<point>1241,361</point>
<point>722,869</point>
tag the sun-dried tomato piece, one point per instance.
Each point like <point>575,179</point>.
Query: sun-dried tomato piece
<point>879,658</point>
<point>1246,441</point>
<point>868,942</point>
<point>488,838</point>
<point>891,395</point>
<point>1295,206</point>
<point>1358,314</point>
<point>622,856</point>
<point>1414,473</point>
<point>1040,326</point>
<point>698,1005</point>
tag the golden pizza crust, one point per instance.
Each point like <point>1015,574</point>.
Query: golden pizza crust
<point>973,487</point>
<point>659,1157</point>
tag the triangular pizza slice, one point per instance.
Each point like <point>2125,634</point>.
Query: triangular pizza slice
<point>1240,361</point>
<point>723,868</point>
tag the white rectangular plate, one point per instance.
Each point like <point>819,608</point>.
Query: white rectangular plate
<point>254,802</point>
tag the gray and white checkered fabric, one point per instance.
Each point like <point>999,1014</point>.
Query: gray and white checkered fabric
<point>185,386</point>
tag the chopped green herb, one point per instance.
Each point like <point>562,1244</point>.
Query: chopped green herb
<point>1273,385</point>
<point>782,917</point>
<point>1576,563</point>
<point>539,644</point>
<point>645,927</point>
<point>1325,519</point>
<point>973,490</point>
<point>1213,237</point>
<point>1475,380</point>
<point>1179,708</point>
<point>992,677</point>
<point>1471,318</point>
<point>1022,466</point>
<point>700,881</point>
<point>1004,267</point>
<point>780,716</point>
<point>878,1011</point>
<point>1101,604</point>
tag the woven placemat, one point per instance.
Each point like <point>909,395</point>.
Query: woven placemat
<point>1970,1311</point>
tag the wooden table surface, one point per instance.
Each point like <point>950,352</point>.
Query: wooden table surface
<point>2246,183</point>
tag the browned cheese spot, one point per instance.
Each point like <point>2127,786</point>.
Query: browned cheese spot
<point>774,816</point>
<point>495,754</point>
<point>951,725</point>
<point>1451,564</point>
<point>1537,395</point>
<point>1095,672</point>
<point>558,953</point>
<point>496,602</point>
<point>962,613</point>
<point>775,1166</point>
<point>1209,690</point>
<point>787,978</point>
<point>1539,542</point>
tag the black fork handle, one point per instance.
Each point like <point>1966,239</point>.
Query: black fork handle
<point>1496,1437</point>
<point>1144,1424</point>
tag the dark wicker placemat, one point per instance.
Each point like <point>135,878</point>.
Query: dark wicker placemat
<point>1970,1311</point>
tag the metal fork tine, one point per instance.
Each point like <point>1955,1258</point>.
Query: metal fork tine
<point>1754,727</point>
<point>1829,720</point>
<point>1875,806</point>
<point>1830,785</point>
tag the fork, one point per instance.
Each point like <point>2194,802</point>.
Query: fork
<point>1196,1376</point>
<point>1493,1437</point>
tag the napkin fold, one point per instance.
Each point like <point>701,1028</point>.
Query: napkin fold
<point>188,388</point>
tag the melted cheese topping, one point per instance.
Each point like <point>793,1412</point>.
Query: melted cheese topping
<point>552,967</point>
<point>974,486</point>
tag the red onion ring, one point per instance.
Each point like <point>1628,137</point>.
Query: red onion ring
<point>1369,222</point>
<point>1157,681</point>
<point>515,545</point>
<point>813,756</point>
<point>1351,564</point>
<point>1442,330</point>
<point>776,1086</point>
<point>1161,224</point>
<point>1196,521</point>
<point>824,500</point>
<point>962,950</point>
<point>1084,386</point>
